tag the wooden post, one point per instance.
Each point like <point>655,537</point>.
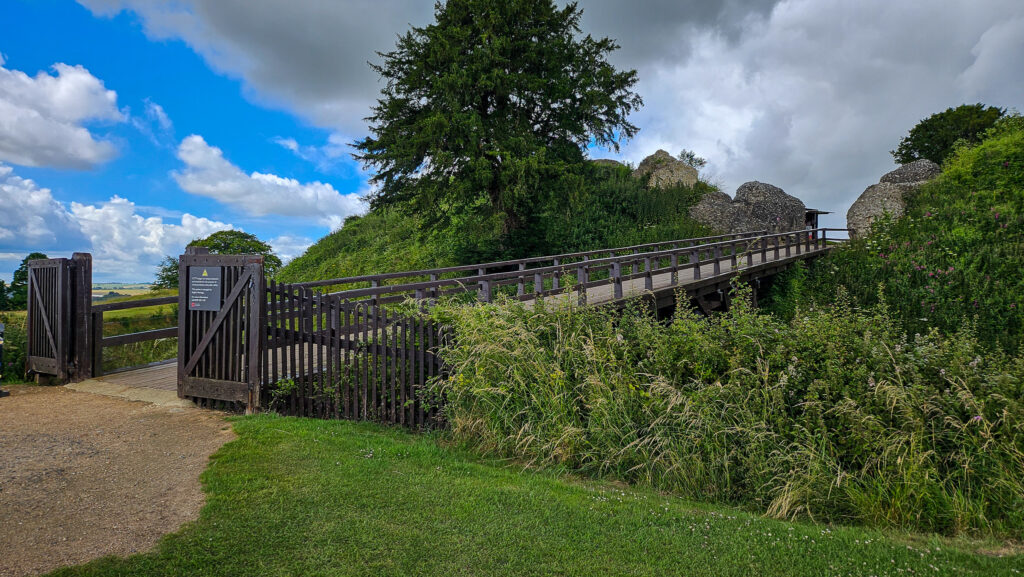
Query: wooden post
<point>96,342</point>
<point>648,275</point>
<point>485,291</point>
<point>81,306</point>
<point>718,260</point>
<point>555,277</point>
<point>521,284</point>
<point>695,261</point>
<point>617,279</point>
<point>581,284</point>
<point>538,283</point>
<point>675,266</point>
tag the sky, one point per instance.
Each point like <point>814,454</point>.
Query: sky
<point>130,127</point>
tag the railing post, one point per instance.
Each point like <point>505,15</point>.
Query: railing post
<point>778,241</point>
<point>764,249</point>
<point>675,265</point>
<point>617,279</point>
<point>556,276</point>
<point>718,260</point>
<point>433,291</point>
<point>521,285</point>
<point>732,261</point>
<point>538,283</point>
<point>822,240</point>
<point>581,282</point>
<point>485,291</point>
<point>695,261</point>
<point>789,244</point>
<point>648,276</point>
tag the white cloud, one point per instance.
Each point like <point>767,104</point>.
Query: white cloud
<point>208,173</point>
<point>121,239</point>
<point>124,244</point>
<point>154,124</point>
<point>31,219</point>
<point>814,96</point>
<point>288,247</point>
<point>42,117</point>
<point>327,157</point>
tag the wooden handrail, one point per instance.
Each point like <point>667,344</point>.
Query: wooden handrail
<point>486,282</point>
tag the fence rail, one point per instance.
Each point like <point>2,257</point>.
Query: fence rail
<point>100,342</point>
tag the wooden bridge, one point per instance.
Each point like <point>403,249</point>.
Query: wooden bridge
<point>336,347</point>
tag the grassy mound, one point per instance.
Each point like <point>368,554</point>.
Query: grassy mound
<point>955,258</point>
<point>610,208</point>
<point>834,415</point>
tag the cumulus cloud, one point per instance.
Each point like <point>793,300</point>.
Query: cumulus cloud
<point>288,247</point>
<point>42,117</point>
<point>123,240</point>
<point>31,219</point>
<point>124,244</point>
<point>208,173</point>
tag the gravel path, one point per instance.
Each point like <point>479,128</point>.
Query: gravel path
<point>84,475</point>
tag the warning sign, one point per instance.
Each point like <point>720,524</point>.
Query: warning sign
<point>204,288</point>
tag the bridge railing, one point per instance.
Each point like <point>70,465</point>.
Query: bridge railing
<point>446,273</point>
<point>98,322</point>
<point>539,277</point>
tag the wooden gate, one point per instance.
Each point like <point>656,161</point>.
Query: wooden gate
<point>220,327</point>
<point>59,301</point>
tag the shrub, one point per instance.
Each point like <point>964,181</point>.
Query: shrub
<point>13,369</point>
<point>834,415</point>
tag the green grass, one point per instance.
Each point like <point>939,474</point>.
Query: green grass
<point>306,497</point>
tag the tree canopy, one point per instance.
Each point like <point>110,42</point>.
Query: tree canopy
<point>17,293</point>
<point>934,137</point>
<point>490,108</point>
<point>222,242</point>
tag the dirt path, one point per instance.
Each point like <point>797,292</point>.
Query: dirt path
<point>84,475</point>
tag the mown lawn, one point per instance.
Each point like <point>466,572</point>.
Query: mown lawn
<point>306,497</point>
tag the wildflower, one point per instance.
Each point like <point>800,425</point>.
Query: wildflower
<point>976,418</point>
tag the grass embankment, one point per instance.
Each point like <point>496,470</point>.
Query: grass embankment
<point>305,497</point>
<point>954,259</point>
<point>610,208</point>
<point>834,415</point>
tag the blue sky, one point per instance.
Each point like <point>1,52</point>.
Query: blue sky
<point>130,127</point>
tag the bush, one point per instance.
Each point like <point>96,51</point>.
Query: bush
<point>13,369</point>
<point>834,415</point>
<point>955,257</point>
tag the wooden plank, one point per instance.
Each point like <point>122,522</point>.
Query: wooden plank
<point>216,389</point>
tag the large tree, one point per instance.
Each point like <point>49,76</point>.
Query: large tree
<point>485,110</point>
<point>18,292</point>
<point>934,137</point>
<point>222,242</point>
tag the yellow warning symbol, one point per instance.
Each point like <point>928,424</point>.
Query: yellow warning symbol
<point>205,273</point>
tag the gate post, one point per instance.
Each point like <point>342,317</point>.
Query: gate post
<point>81,307</point>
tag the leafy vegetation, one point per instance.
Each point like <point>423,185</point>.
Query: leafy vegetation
<point>305,497</point>
<point>954,259</point>
<point>13,367</point>
<point>221,242</point>
<point>485,114</point>
<point>15,296</point>
<point>936,137</point>
<point>834,415</point>
<point>610,209</point>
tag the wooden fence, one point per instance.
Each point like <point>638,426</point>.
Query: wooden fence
<point>329,358</point>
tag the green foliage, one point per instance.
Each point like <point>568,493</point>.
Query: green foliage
<point>955,258</point>
<point>382,240</point>
<point>608,209</point>
<point>221,242</point>
<point>18,291</point>
<point>5,298</point>
<point>13,368</point>
<point>487,111</point>
<point>834,415</point>
<point>935,137</point>
<point>335,498</point>
<point>691,159</point>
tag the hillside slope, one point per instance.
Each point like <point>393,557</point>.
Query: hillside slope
<point>609,208</point>
<point>955,259</point>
